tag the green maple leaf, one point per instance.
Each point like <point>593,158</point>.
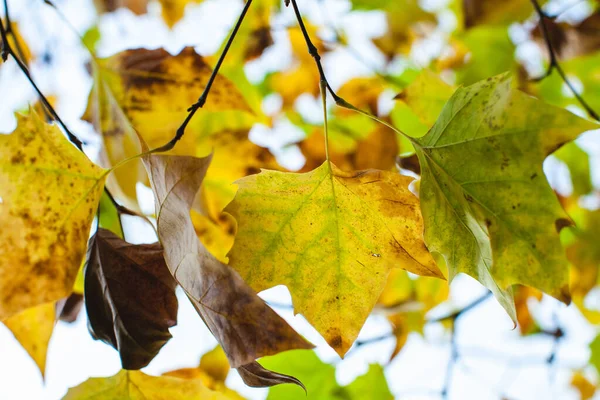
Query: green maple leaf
<point>487,207</point>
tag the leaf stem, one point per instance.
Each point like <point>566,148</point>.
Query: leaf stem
<point>555,65</point>
<point>325,122</point>
<point>340,102</point>
<point>202,99</point>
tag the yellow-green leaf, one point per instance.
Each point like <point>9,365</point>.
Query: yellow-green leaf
<point>487,206</point>
<point>332,238</point>
<point>49,193</point>
<point>135,385</point>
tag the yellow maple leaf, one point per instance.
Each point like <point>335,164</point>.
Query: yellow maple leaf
<point>332,238</point>
<point>49,193</point>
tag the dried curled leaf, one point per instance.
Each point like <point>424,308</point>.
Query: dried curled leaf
<point>49,193</point>
<point>130,297</point>
<point>332,238</point>
<point>243,324</point>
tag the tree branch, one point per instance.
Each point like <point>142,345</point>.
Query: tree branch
<point>314,52</point>
<point>555,65</point>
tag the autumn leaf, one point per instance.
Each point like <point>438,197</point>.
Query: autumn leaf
<point>304,77</point>
<point>173,10</point>
<point>134,319</point>
<point>33,329</point>
<point>570,41</point>
<point>135,385</point>
<point>526,322</point>
<point>490,12</point>
<point>49,192</point>
<point>586,389</point>
<point>234,156</point>
<point>68,309</point>
<point>20,45</point>
<point>406,300</point>
<point>332,238</point>
<point>147,92</point>
<point>212,371</point>
<point>243,324</point>
<point>487,207</point>
<point>136,6</point>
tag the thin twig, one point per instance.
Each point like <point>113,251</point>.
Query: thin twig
<point>457,314</point>
<point>202,99</point>
<point>445,392</point>
<point>8,50</point>
<point>10,31</point>
<point>555,65</point>
<point>314,52</point>
<point>452,316</point>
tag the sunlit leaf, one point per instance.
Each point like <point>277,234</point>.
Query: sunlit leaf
<point>487,206</point>
<point>135,385</point>
<point>332,238</point>
<point>33,328</point>
<point>242,323</point>
<point>50,192</point>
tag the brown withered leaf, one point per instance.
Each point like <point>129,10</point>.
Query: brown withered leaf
<point>243,324</point>
<point>492,12</point>
<point>68,308</point>
<point>570,41</point>
<point>256,375</point>
<point>130,297</point>
<point>147,92</point>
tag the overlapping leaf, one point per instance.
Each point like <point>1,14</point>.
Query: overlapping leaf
<point>148,92</point>
<point>487,207</point>
<point>332,238</point>
<point>242,323</point>
<point>49,193</point>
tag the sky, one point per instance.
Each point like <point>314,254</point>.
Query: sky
<point>496,359</point>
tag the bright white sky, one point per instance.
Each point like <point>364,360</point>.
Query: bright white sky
<point>493,364</point>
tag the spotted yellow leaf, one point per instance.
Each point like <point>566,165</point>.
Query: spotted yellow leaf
<point>49,192</point>
<point>332,238</point>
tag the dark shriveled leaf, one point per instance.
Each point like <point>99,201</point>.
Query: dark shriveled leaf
<point>256,375</point>
<point>243,324</point>
<point>130,297</point>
